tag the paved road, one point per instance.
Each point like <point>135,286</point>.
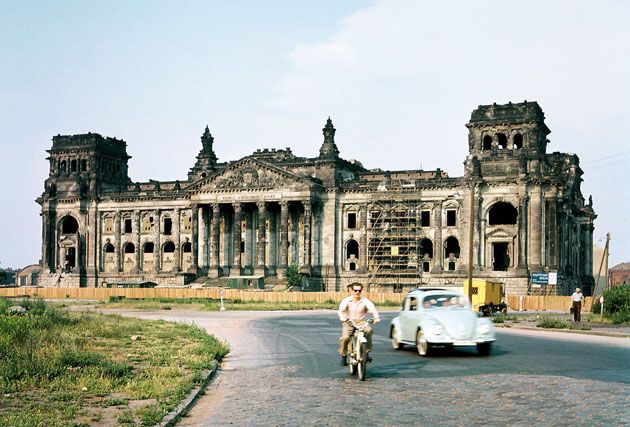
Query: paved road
<point>283,370</point>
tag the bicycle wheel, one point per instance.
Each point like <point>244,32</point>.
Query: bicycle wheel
<point>351,356</point>
<point>361,362</point>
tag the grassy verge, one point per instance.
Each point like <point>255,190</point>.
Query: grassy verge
<point>59,368</point>
<point>231,305</point>
<point>553,323</point>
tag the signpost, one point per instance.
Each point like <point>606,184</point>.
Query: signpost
<point>601,305</point>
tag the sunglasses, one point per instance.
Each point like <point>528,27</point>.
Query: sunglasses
<point>357,290</point>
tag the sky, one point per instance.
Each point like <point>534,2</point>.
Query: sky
<point>399,79</point>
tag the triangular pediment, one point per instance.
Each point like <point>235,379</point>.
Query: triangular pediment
<point>251,174</point>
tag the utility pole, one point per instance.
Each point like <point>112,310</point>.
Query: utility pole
<point>599,273</point>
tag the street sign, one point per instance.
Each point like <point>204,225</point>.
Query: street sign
<point>601,299</point>
<point>540,278</point>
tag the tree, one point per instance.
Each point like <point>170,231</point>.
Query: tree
<point>294,278</point>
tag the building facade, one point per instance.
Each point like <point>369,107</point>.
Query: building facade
<point>519,209</point>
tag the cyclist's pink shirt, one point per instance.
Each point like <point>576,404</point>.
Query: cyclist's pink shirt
<point>349,309</point>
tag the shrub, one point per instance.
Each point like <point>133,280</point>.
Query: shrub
<point>294,278</point>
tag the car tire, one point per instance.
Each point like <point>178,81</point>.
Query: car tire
<point>396,345</point>
<point>423,345</point>
<point>483,348</point>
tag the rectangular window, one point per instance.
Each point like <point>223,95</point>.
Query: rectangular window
<point>425,218</point>
<point>168,226</point>
<point>127,225</point>
<point>451,218</point>
<point>352,220</point>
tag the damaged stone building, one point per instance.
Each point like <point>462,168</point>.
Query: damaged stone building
<point>338,222</point>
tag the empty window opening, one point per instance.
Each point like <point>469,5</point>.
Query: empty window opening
<point>242,247</point>
<point>130,248</point>
<point>73,166</point>
<point>451,266</point>
<point>502,213</point>
<point>168,226</point>
<point>426,249</point>
<point>83,165</point>
<point>503,141</point>
<point>127,225</point>
<point>187,247</point>
<point>425,267</point>
<point>501,260</point>
<point>148,248</point>
<point>62,166</point>
<point>109,248</point>
<point>487,142</point>
<point>425,219</point>
<point>169,247</point>
<point>451,218</point>
<point>451,248</point>
<point>352,248</point>
<point>352,220</point>
<point>71,258</point>
<point>353,266</point>
<point>69,225</point>
<point>518,141</point>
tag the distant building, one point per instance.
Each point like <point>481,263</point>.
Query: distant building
<point>28,276</point>
<point>337,221</point>
<point>620,274</point>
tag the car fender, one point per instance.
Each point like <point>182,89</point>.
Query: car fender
<point>395,322</point>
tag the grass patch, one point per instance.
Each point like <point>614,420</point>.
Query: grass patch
<point>59,368</point>
<point>553,323</point>
<point>505,318</point>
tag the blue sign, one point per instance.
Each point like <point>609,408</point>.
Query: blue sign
<point>540,278</point>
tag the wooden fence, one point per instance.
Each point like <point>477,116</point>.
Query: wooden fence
<point>530,303</point>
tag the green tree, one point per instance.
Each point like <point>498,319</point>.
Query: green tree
<point>294,278</point>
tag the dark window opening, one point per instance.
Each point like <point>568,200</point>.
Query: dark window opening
<point>425,267</point>
<point>69,225</point>
<point>127,225</point>
<point>83,165</point>
<point>352,248</point>
<point>425,219</point>
<point>73,166</point>
<point>71,258</point>
<point>426,249</point>
<point>62,166</point>
<point>148,248</point>
<point>451,218</point>
<point>501,260</point>
<point>518,141</point>
<point>109,248</point>
<point>187,247</point>
<point>451,266</point>
<point>502,213</point>
<point>503,141</point>
<point>451,247</point>
<point>168,226</point>
<point>487,142</point>
<point>352,220</point>
<point>353,266</point>
<point>130,248</point>
<point>169,247</point>
<point>242,247</point>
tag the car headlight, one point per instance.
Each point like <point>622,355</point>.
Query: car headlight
<point>483,329</point>
<point>436,329</point>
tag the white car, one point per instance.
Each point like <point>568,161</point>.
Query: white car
<point>440,317</point>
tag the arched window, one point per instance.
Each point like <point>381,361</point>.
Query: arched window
<point>451,246</point>
<point>518,141</point>
<point>502,213</point>
<point>69,225</point>
<point>148,248</point>
<point>169,247</point>
<point>187,247</point>
<point>487,142</point>
<point>503,141</point>
<point>352,248</point>
<point>426,249</point>
<point>109,248</point>
<point>129,248</point>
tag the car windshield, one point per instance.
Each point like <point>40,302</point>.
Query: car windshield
<point>444,300</point>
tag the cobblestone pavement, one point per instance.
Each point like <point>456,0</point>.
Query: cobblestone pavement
<point>283,371</point>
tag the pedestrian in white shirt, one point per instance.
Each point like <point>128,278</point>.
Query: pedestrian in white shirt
<point>577,298</point>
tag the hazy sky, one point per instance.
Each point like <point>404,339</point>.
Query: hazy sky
<point>398,78</point>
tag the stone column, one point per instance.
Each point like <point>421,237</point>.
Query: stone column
<point>117,241</point>
<point>45,243</point>
<point>261,231</point>
<point>136,217</point>
<point>195,239</point>
<point>177,265</point>
<point>157,252</point>
<point>203,233</point>
<point>522,232</point>
<point>438,255</point>
<point>363,246</point>
<point>236,235</point>
<point>535,230</point>
<point>306,268</point>
<point>213,272</point>
<point>284,235</point>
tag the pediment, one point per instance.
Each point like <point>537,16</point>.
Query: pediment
<point>501,233</point>
<point>250,174</point>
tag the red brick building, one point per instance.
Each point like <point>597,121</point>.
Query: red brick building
<point>620,274</point>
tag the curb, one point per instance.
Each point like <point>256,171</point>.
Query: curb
<point>569,331</point>
<point>172,417</point>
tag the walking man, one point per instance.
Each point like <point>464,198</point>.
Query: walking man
<point>577,298</point>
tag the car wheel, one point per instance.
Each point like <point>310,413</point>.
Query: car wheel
<point>423,345</point>
<point>394,336</point>
<point>483,348</point>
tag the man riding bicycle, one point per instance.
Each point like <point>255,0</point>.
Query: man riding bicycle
<point>355,307</point>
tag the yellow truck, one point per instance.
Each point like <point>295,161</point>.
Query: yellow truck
<point>487,296</point>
